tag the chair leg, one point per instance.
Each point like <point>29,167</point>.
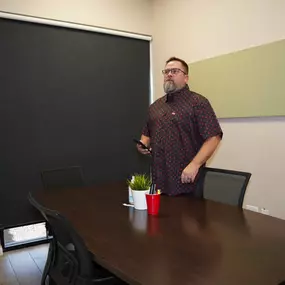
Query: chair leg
<point>47,265</point>
<point>50,281</point>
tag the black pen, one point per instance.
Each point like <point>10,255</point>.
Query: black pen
<point>151,186</point>
<point>152,189</point>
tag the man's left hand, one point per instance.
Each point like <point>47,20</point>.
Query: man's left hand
<point>190,172</point>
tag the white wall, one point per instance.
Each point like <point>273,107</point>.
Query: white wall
<point>199,29</point>
<point>126,15</point>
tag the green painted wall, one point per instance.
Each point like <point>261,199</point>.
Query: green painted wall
<point>247,83</point>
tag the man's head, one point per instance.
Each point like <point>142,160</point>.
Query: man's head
<point>175,74</point>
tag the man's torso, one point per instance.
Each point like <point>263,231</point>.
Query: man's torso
<point>175,139</point>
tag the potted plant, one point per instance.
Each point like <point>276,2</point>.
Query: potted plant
<point>139,185</point>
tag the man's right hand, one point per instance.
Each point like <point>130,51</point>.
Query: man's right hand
<point>146,141</point>
<point>143,150</point>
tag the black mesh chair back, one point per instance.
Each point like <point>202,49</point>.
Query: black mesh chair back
<point>69,177</point>
<point>225,186</point>
<point>70,260</point>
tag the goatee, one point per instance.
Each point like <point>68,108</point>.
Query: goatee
<point>169,86</point>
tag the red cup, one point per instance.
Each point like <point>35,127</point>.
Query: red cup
<point>153,203</point>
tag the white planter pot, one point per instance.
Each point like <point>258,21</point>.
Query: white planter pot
<point>139,199</point>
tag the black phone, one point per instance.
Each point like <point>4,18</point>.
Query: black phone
<point>142,144</point>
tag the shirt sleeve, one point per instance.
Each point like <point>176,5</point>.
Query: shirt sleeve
<point>146,129</point>
<point>207,122</point>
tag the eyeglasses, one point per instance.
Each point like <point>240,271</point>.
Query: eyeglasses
<point>173,71</point>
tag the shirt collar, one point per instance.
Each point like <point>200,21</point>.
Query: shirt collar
<point>170,96</point>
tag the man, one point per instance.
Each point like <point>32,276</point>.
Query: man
<point>182,132</point>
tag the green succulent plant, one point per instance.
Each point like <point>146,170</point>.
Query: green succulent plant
<point>139,182</point>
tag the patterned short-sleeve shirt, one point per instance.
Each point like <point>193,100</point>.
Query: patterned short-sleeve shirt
<point>178,124</point>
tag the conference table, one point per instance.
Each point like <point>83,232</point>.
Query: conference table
<point>191,241</point>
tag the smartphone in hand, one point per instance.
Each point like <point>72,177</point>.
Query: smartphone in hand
<point>142,144</point>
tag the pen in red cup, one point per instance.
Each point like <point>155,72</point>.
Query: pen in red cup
<point>152,189</point>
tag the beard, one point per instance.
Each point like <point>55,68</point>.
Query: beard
<point>169,86</point>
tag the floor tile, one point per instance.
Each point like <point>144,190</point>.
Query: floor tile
<point>7,275</point>
<point>26,270</point>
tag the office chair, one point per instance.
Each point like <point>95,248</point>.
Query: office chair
<point>69,177</point>
<point>225,186</point>
<point>69,262</point>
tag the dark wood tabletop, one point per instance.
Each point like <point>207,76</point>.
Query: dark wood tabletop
<point>190,242</point>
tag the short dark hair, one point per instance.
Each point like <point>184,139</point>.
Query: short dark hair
<point>185,65</point>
